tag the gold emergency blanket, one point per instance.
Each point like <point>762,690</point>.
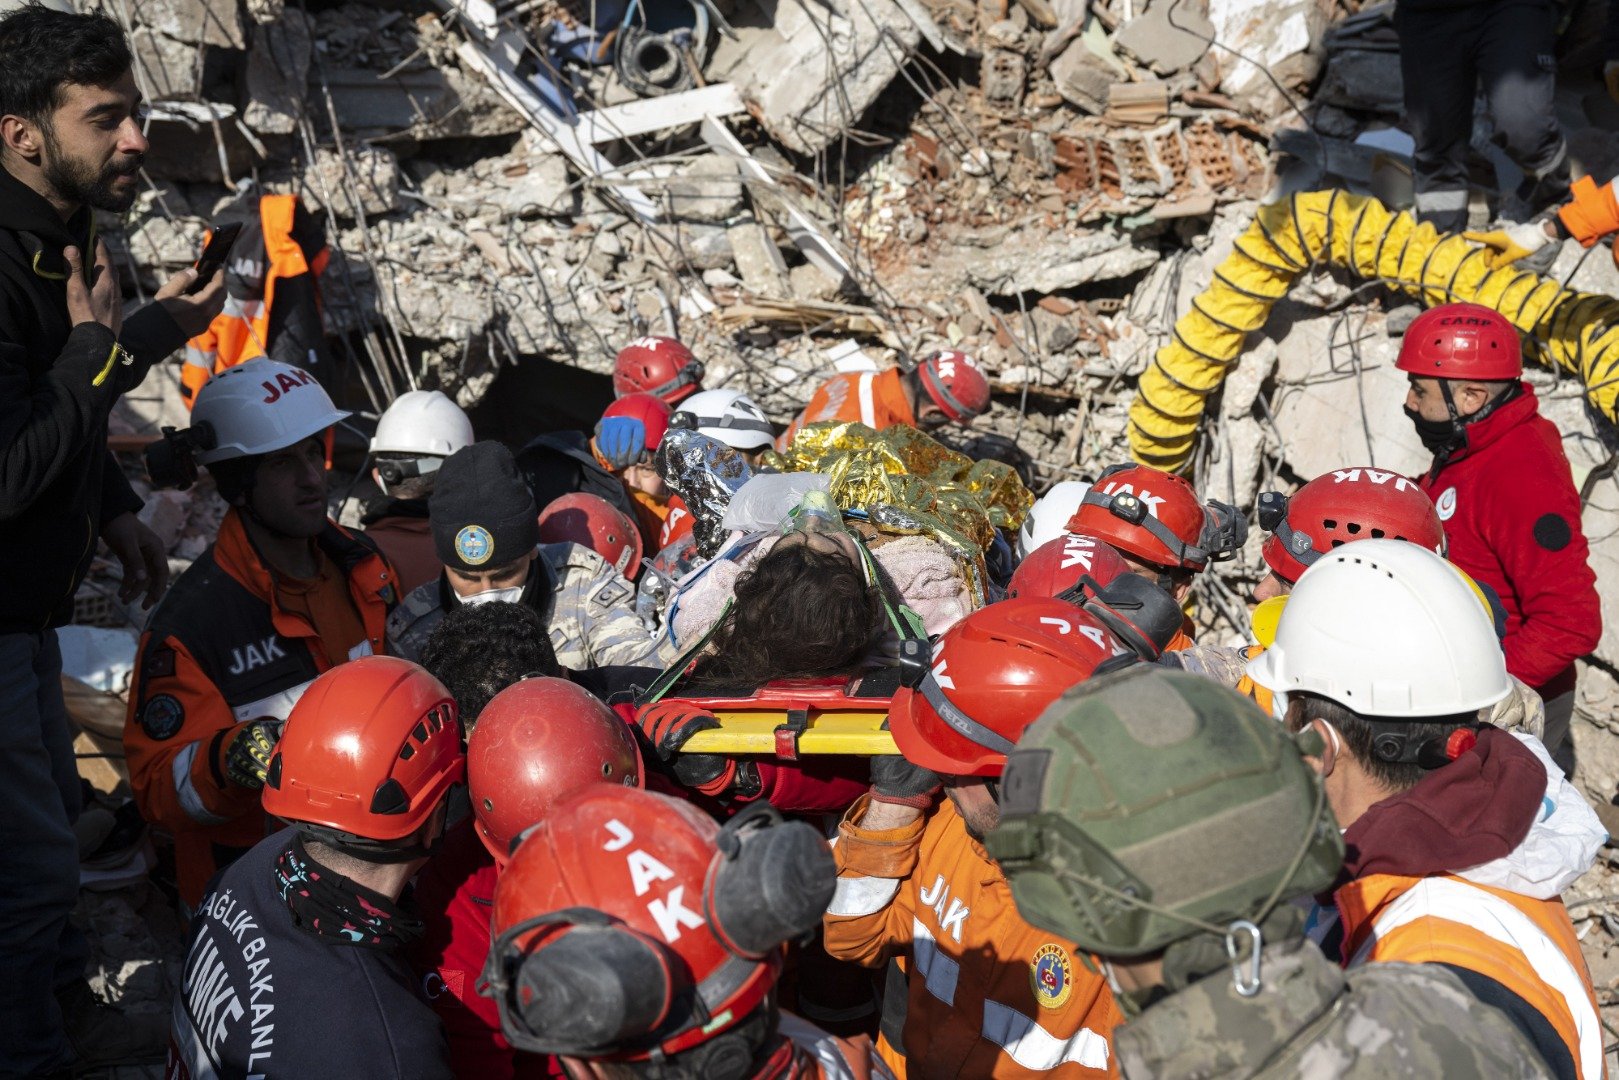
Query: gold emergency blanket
<point>909,484</point>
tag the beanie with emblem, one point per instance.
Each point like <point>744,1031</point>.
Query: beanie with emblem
<point>481,511</point>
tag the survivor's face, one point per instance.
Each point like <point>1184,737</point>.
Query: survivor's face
<point>289,489</point>
<point>978,809</point>
<point>92,149</point>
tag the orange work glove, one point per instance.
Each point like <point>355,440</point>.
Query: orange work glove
<point>1592,213</point>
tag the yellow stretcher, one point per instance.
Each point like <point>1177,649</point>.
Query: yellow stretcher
<point>795,717</point>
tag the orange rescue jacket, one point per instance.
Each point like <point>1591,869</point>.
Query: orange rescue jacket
<point>875,398</point>
<point>1526,946</point>
<point>989,995</point>
<point>216,652</point>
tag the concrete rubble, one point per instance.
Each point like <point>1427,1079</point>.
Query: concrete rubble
<point>1044,185</point>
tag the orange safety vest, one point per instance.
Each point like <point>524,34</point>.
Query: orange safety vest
<point>875,398</point>
<point>1526,945</point>
<point>269,252</point>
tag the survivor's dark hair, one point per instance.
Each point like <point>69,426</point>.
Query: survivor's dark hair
<point>477,651</point>
<point>45,50</point>
<point>799,613</point>
<point>1360,735</point>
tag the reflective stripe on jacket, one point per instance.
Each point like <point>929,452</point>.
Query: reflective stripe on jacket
<point>874,398</point>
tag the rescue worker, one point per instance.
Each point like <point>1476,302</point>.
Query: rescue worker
<point>1448,52</point>
<point>660,366</point>
<point>917,884</point>
<point>486,531</point>
<point>635,937</point>
<point>282,595</point>
<point>538,741</point>
<point>1158,820</point>
<point>414,436</point>
<point>730,417</point>
<point>1502,486</point>
<point>944,388</point>
<point>1336,508</point>
<point>71,143</point>
<point>1460,836</point>
<point>593,522</point>
<point>1083,571</point>
<point>295,964</point>
<point>627,437</point>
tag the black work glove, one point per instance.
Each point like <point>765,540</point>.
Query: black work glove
<point>244,753</point>
<point>667,725</point>
<point>896,780</point>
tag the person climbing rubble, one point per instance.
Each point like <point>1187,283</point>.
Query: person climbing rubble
<point>1176,843</point>
<point>1502,486</point>
<point>282,595</point>
<point>295,964</point>
<point>635,937</point>
<point>987,994</point>
<point>1460,837</point>
<point>414,436</point>
<point>486,532</point>
<point>945,387</point>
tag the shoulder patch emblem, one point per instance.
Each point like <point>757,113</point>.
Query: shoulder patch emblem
<point>474,544</point>
<point>162,717</point>
<point>1446,503</point>
<point>159,663</point>
<point>610,594</point>
<point>1052,976</point>
<point>1552,532</point>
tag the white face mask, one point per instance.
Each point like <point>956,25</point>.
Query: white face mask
<point>494,596</point>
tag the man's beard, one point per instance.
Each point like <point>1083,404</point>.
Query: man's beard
<point>76,182</point>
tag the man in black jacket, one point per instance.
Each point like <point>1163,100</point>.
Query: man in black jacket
<point>70,144</point>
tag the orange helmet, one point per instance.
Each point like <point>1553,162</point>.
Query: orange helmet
<point>629,925</point>
<point>1153,515</point>
<point>992,675</point>
<point>1057,566</point>
<point>1461,341</point>
<point>537,741</point>
<point>1336,508</point>
<point>660,366</point>
<point>593,522</point>
<point>955,384</point>
<point>368,753</point>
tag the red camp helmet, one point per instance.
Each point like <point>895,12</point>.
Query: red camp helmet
<point>660,366</point>
<point>651,411</point>
<point>1462,341</point>
<point>595,523</point>
<point>1056,566</point>
<point>368,753</point>
<point>1152,515</point>
<point>1344,505</point>
<point>954,383</point>
<point>536,742</point>
<point>628,924</point>
<point>992,675</point>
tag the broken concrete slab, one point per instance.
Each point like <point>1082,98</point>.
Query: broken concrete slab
<point>166,69</point>
<point>705,189</point>
<point>375,175</point>
<point>758,260</point>
<point>277,71</point>
<point>1163,45</point>
<point>1082,77</point>
<point>1046,264</point>
<point>1283,35</point>
<point>198,22</point>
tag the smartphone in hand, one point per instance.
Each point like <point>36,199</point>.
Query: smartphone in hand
<point>220,241</point>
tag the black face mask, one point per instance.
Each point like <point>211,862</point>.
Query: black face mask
<point>1439,436</point>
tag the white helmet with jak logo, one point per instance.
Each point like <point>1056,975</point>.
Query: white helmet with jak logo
<point>260,407</point>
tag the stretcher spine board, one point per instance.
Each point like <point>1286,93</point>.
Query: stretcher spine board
<point>810,718</point>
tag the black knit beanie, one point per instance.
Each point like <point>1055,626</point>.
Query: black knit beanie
<point>481,511</point>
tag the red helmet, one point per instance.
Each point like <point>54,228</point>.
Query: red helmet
<point>368,752</point>
<point>659,366</point>
<point>1341,506</point>
<point>992,675</point>
<point>1056,566</point>
<point>1152,515</point>
<point>650,410</point>
<point>1461,341</point>
<point>954,383</point>
<point>629,925</point>
<point>537,741</point>
<point>597,524</point>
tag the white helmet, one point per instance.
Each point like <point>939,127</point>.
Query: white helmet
<point>1048,518</point>
<point>1388,629</point>
<point>422,422</point>
<point>260,407</point>
<point>728,416</point>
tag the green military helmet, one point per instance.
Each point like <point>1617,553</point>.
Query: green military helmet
<point>1148,805</point>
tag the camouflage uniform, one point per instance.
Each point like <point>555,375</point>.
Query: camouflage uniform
<point>1311,1019</point>
<point>588,607</point>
